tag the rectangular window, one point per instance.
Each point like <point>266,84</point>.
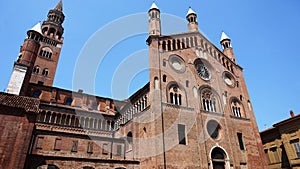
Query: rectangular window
<point>241,142</point>
<point>275,154</point>
<point>105,149</point>
<point>297,149</point>
<point>75,146</point>
<point>90,147</point>
<point>39,142</point>
<point>119,150</point>
<point>57,144</point>
<point>181,134</point>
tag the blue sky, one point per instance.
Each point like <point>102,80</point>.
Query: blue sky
<point>265,36</point>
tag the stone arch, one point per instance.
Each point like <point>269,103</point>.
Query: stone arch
<point>176,94</point>
<point>219,158</point>
<point>42,116</point>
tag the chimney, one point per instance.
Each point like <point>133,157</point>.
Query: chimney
<point>292,113</point>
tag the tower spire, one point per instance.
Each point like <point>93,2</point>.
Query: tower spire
<point>225,41</point>
<point>154,20</point>
<point>191,17</point>
<point>59,6</point>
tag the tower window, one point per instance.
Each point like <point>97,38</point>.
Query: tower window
<point>46,53</point>
<point>241,142</point>
<point>45,72</point>
<point>181,134</point>
<point>36,70</point>
<point>164,78</point>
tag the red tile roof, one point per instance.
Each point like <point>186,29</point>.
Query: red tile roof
<point>26,103</point>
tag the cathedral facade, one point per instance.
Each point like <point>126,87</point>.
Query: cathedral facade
<point>195,112</point>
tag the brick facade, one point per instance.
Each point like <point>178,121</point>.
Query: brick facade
<point>195,112</point>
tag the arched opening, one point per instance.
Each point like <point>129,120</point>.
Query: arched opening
<point>218,157</point>
<point>129,137</point>
<point>36,70</point>
<point>45,72</point>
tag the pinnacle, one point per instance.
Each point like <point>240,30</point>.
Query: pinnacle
<point>58,7</point>
<point>154,6</point>
<point>190,11</point>
<point>224,36</point>
<point>37,28</point>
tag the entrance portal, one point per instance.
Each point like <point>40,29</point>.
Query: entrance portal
<point>218,157</point>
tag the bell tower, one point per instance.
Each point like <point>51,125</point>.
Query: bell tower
<point>154,20</point>
<point>24,65</point>
<point>191,17</point>
<point>50,47</point>
<point>225,41</point>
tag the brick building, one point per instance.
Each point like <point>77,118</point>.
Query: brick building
<point>195,112</point>
<point>281,143</point>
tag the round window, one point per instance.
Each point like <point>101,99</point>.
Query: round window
<point>203,71</point>
<point>228,79</point>
<point>177,63</point>
<point>213,129</point>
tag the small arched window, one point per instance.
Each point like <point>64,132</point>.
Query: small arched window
<point>46,52</point>
<point>36,70</point>
<point>45,72</point>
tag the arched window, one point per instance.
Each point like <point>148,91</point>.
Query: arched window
<point>45,72</point>
<point>237,108</point>
<point>36,70</point>
<point>210,100</point>
<point>175,95</point>
<point>36,94</point>
<point>46,52</point>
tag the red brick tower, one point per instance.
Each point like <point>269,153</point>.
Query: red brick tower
<point>50,47</point>
<point>24,65</point>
